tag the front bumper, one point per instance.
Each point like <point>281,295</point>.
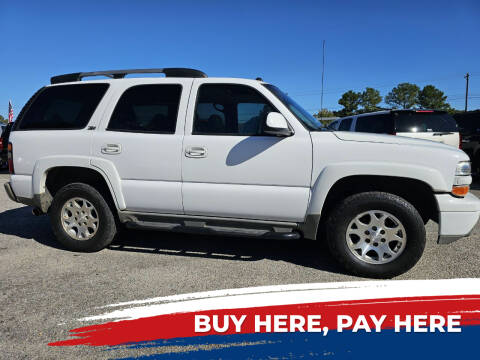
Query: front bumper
<point>457,216</point>
<point>10,193</point>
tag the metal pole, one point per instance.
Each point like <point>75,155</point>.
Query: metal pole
<point>466,92</point>
<point>323,75</point>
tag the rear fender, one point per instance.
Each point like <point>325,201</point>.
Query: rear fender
<point>103,167</point>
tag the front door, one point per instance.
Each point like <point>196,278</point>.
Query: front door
<point>230,168</point>
<point>142,137</point>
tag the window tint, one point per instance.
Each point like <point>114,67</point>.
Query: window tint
<point>468,123</point>
<point>410,121</point>
<point>333,125</point>
<point>380,124</point>
<point>230,110</point>
<point>63,107</point>
<point>147,108</point>
<point>345,124</point>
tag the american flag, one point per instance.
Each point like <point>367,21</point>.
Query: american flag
<point>10,112</point>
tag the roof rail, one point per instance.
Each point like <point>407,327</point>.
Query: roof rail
<point>119,74</point>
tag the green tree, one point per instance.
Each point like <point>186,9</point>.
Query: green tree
<point>350,102</point>
<point>432,98</point>
<point>369,99</point>
<point>453,111</point>
<point>323,113</point>
<point>404,96</point>
<point>3,120</point>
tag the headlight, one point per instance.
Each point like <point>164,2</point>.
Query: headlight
<point>464,168</point>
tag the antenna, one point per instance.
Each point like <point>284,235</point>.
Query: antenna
<point>467,76</point>
<point>323,76</point>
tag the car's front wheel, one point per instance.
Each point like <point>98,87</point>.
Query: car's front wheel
<point>81,218</point>
<point>376,234</point>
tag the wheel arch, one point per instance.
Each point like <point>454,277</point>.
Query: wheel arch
<point>418,192</point>
<point>50,174</point>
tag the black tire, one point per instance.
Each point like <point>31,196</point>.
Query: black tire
<point>107,227</point>
<point>348,209</point>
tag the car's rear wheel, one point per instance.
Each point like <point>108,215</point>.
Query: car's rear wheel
<point>376,234</point>
<point>81,218</point>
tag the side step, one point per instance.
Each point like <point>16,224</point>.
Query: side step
<point>202,228</point>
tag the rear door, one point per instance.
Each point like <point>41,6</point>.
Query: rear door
<point>141,135</point>
<point>436,126</point>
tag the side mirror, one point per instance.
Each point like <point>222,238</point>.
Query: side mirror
<point>277,125</point>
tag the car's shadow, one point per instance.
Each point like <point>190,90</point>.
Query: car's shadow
<point>313,254</point>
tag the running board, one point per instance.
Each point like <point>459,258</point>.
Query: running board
<point>215,230</point>
<point>212,226</point>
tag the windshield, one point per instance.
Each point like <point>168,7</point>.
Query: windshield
<point>308,120</point>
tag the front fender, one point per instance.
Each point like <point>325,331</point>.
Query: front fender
<point>335,172</point>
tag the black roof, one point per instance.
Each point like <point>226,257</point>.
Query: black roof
<point>119,74</point>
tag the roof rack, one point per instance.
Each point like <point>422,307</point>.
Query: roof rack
<point>120,74</point>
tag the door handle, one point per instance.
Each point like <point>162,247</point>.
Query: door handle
<point>196,152</point>
<point>111,149</point>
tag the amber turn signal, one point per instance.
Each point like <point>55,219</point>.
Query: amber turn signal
<point>460,190</point>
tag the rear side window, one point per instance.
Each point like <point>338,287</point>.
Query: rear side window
<point>225,109</point>
<point>65,107</point>
<point>345,124</point>
<point>147,109</point>
<point>424,122</point>
<point>379,124</point>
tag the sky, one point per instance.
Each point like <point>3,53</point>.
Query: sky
<point>368,43</point>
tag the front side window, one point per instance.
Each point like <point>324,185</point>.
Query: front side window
<point>379,124</point>
<point>345,124</point>
<point>307,119</point>
<point>333,125</point>
<point>147,109</point>
<point>64,107</point>
<point>226,109</point>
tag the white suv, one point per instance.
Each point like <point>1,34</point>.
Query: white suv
<point>229,156</point>
<point>434,125</point>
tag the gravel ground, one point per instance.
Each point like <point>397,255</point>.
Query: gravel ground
<point>44,288</point>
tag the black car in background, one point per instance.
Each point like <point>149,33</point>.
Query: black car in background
<point>4,145</point>
<point>469,127</point>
